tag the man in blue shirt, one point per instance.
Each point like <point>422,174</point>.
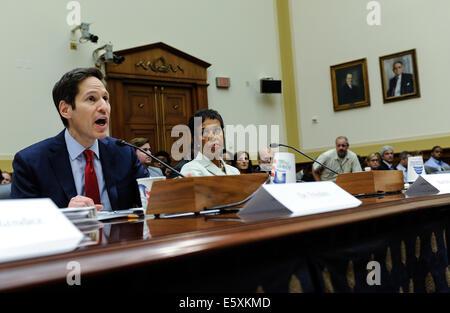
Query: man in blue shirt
<point>435,160</point>
<point>403,164</point>
<point>81,166</point>
<point>145,160</point>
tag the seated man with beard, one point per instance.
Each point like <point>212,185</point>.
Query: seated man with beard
<point>341,160</point>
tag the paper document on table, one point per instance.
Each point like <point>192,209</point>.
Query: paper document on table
<point>131,213</point>
<point>34,227</point>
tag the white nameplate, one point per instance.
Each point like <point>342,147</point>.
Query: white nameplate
<point>34,227</point>
<point>430,185</point>
<point>299,199</point>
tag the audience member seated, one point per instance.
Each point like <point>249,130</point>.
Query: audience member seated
<point>5,191</point>
<point>387,158</point>
<point>242,162</point>
<point>341,160</point>
<point>228,157</point>
<point>208,160</point>
<point>165,157</point>
<point>435,161</point>
<point>416,153</point>
<point>403,164</point>
<point>7,177</point>
<point>145,160</point>
<point>265,158</point>
<point>373,161</point>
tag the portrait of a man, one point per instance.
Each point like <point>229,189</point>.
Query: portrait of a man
<point>350,85</point>
<point>350,92</point>
<point>399,76</point>
<point>402,83</point>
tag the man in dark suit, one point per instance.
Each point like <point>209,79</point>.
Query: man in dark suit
<point>401,83</point>
<point>80,166</point>
<point>387,159</point>
<point>350,93</point>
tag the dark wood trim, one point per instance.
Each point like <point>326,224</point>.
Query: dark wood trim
<point>165,47</point>
<point>116,256</point>
<point>199,82</point>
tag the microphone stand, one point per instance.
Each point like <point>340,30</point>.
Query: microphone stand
<point>120,142</point>
<point>275,145</point>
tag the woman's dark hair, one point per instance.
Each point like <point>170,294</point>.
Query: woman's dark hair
<point>205,114</point>
<point>250,166</point>
<point>66,88</point>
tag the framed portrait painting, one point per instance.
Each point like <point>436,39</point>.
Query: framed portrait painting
<point>350,85</point>
<point>399,76</point>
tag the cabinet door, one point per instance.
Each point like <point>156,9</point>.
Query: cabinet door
<point>141,113</point>
<point>176,109</point>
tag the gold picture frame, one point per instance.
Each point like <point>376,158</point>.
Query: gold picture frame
<point>350,85</point>
<point>395,88</point>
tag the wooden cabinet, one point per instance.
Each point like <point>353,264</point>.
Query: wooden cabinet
<point>156,88</point>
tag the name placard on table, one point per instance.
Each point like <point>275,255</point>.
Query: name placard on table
<point>433,184</point>
<point>34,227</point>
<point>299,199</point>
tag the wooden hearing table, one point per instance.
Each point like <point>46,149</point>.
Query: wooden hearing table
<point>160,248</point>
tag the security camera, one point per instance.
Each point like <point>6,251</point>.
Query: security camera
<point>85,34</point>
<point>108,56</point>
<point>118,59</point>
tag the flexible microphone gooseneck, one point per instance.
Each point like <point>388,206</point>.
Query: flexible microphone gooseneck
<point>122,143</point>
<point>276,145</point>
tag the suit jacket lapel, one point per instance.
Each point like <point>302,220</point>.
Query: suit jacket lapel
<point>108,162</point>
<point>59,161</point>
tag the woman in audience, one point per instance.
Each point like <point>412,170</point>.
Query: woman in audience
<point>165,157</point>
<point>373,160</point>
<point>242,162</point>
<point>209,135</point>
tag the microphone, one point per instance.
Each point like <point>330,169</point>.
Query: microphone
<point>276,145</point>
<point>122,143</point>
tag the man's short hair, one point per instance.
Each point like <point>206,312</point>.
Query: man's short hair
<point>435,147</point>
<point>165,155</point>
<point>393,65</point>
<point>66,88</point>
<point>341,137</point>
<point>386,148</point>
<point>139,141</point>
<point>403,155</point>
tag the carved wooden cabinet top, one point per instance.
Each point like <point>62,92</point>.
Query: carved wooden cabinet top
<point>160,61</point>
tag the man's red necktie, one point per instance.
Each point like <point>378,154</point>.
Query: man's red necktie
<point>90,179</point>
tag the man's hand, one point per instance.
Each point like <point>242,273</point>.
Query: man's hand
<point>82,201</point>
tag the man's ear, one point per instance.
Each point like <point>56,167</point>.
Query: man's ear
<point>65,109</point>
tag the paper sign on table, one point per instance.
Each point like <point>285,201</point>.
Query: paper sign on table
<point>300,199</point>
<point>34,227</point>
<point>430,185</point>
